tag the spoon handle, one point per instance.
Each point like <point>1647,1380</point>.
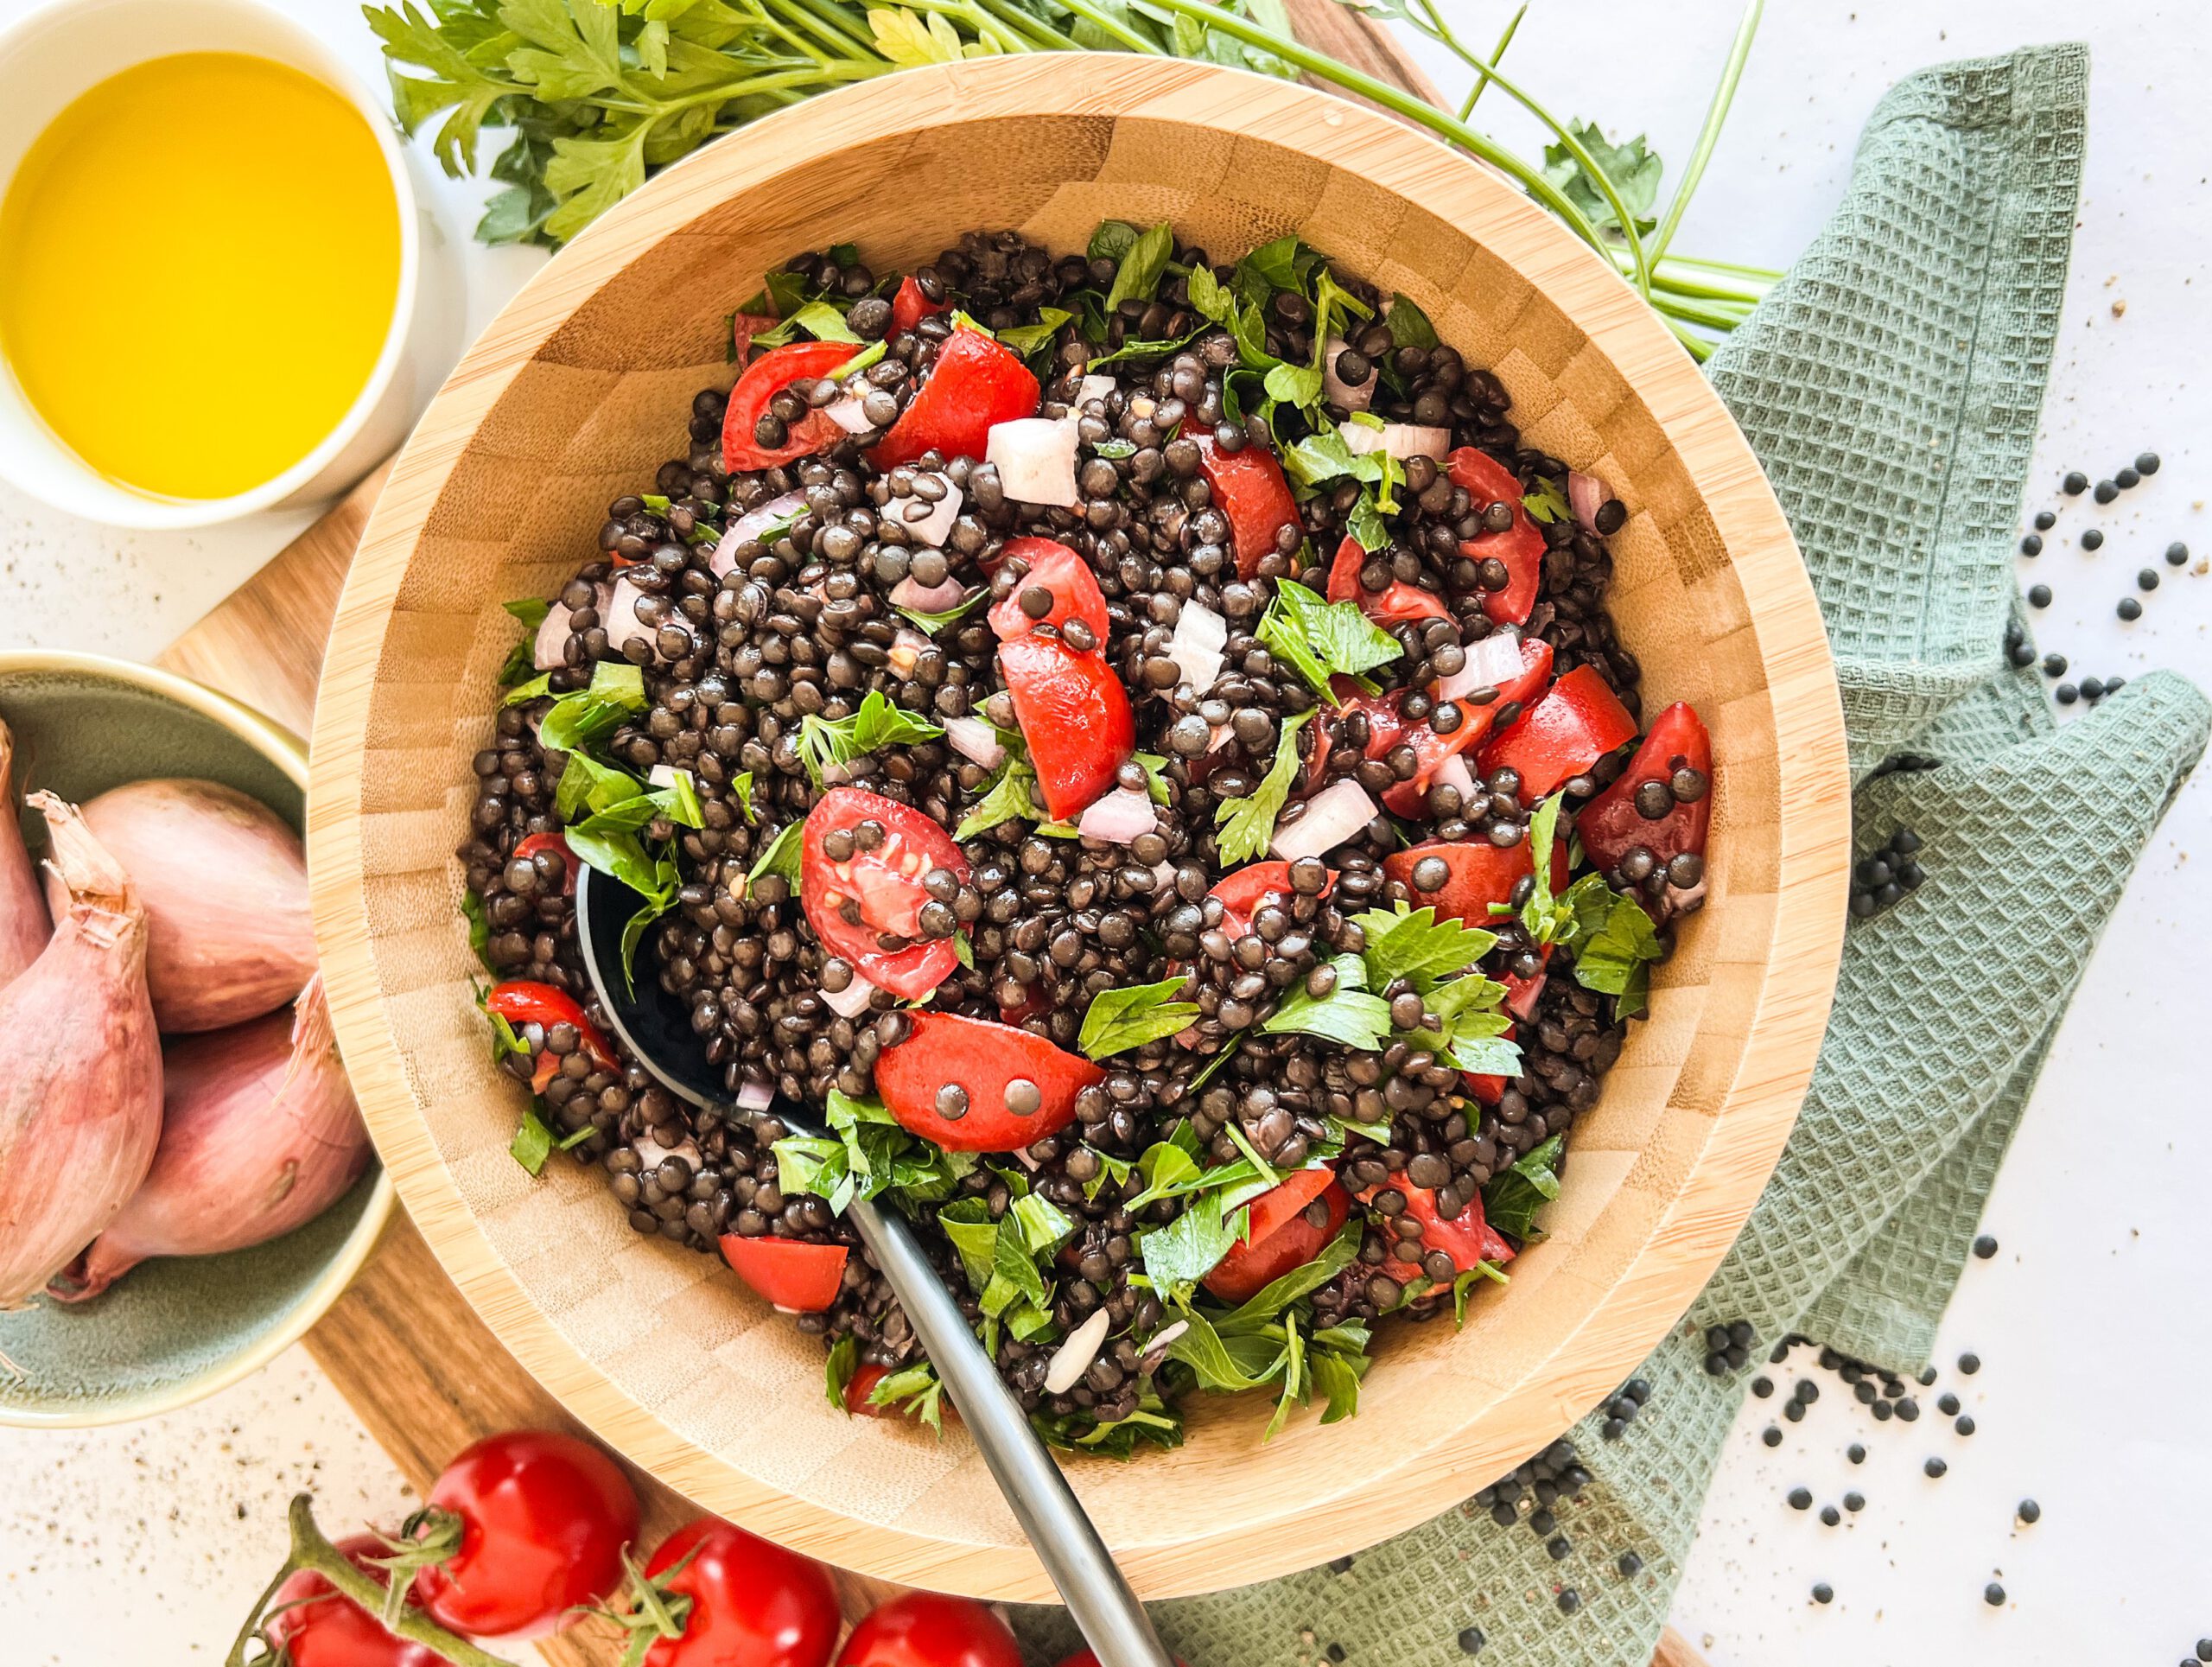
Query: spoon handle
<point>1112,1621</point>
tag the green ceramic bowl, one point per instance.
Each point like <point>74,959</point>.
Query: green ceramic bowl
<point>175,1329</point>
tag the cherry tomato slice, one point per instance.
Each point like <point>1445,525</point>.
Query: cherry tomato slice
<point>1248,487</point>
<point>1278,1237</point>
<point>1479,875</point>
<point>976,382</point>
<point>1611,826</point>
<point>967,1068</point>
<point>1075,718</point>
<point>1521,546</point>
<point>764,378</point>
<point>1467,1238</point>
<point>885,883</point>
<point>862,1384</point>
<point>754,1603</point>
<point>526,1002</point>
<point>929,1629</point>
<point>798,1277</point>
<point>545,1518</point>
<point>311,1624</point>
<point>557,843</point>
<point>909,306</point>
<point>1396,602</point>
<point>1577,722</point>
<point>1074,588</point>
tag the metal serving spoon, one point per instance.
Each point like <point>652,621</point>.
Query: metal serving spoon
<point>1113,1622</point>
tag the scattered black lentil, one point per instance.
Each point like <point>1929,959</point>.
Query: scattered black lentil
<point>1856,1453</point>
<point>1854,1501</point>
<point>1993,1595</point>
<point>1569,1600</point>
<point>2105,491</point>
<point>2129,609</point>
<point>1964,1424</point>
<point>2045,520</point>
<point>2147,579</point>
<point>1877,883</point>
<point>1630,1564</point>
<point>1935,1467</point>
<point>2075,484</point>
<point>1830,1515</point>
<point>1946,1403</point>
<point>1771,1435</point>
<point>2031,545</point>
<point>2093,688</point>
<point>1823,1593</point>
<point>2126,478</point>
<point>2039,596</point>
<point>2066,694</point>
<point>1471,1640</point>
<point>2028,1511</point>
<point>2147,463</point>
<point>1763,1386</point>
<point>1985,1246</point>
<point>2093,539</point>
<point>2176,554</point>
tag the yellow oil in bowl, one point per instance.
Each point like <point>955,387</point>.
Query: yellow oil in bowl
<point>199,262</point>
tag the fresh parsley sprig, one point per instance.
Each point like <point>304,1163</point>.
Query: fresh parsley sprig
<point>823,742</point>
<point>1320,640</point>
<point>1119,1020</point>
<point>1246,825</point>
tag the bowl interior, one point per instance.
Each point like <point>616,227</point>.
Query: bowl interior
<point>581,392</point>
<point>173,1328</point>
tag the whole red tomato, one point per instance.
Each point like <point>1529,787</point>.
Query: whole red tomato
<point>928,1629</point>
<point>314,1626</point>
<point>753,1604</point>
<point>544,1520</point>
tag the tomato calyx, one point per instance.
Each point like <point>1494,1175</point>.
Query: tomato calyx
<point>311,1550</point>
<point>430,1537</point>
<point>654,1610</point>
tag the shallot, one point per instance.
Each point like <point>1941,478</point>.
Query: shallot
<point>974,738</point>
<point>1119,816</point>
<point>1336,816</point>
<point>223,884</point>
<point>1401,440</point>
<point>1585,496</point>
<point>1493,662</point>
<point>23,925</point>
<point>850,1002</point>
<point>910,592</point>
<point>621,619</point>
<point>80,1094</point>
<point>1200,636</point>
<point>1035,459</point>
<point>749,526</point>
<point>1334,388</point>
<point>259,1135</point>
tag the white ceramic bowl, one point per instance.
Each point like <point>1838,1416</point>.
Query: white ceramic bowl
<point>65,48</point>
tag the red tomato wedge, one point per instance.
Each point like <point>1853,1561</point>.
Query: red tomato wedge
<point>1521,546</point>
<point>928,1629</point>
<point>764,378</point>
<point>543,1519</point>
<point>1388,727</point>
<point>798,1277</point>
<point>1075,719</point>
<point>1480,875</point>
<point>952,1080</point>
<point>1243,890</point>
<point>753,1604</point>
<point>557,843</point>
<point>1397,602</point>
<point>1467,1238</point>
<point>1611,826</point>
<point>525,1002</point>
<point>1522,995</point>
<point>884,884</point>
<point>1487,1089</point>
<point>1578,722</point>
<point>1248,487</point>
<point>976,382</point>
<point>1277,1235</point>
<point>909,306</point>
<point>862,1385</point>
<point>1076,595</point>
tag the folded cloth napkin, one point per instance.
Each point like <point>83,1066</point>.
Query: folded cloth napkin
<point>1890,386</point>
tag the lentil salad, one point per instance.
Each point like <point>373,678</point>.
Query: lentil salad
<point>1084,723</point>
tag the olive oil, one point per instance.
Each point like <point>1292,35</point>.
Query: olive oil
<point>199,262</point>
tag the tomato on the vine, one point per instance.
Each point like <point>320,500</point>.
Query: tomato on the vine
<point>311,1624</point>
<point>929,1629</point>
<point>542,1520</point>
<point>754,1603</point>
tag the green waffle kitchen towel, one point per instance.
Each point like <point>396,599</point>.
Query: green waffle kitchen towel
<point>1890,386</point>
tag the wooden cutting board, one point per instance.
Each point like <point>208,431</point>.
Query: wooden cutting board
<point>422,1372</point>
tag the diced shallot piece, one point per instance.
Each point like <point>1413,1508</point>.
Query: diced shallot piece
<point>1401,440</point>
<point>1092,387</point>
<point>223,881</point>
<point>80,1099</point>
<point>927,598</point>
<point>934,525</point>
<point>906,647</point>
<point>621,619</point>
<point>1336,816</point>
<point>973,738</point>
<point>1454,772</point>
<point>652,1151</point>
<point>1073,1358</point>
<point>753,1095</point>
<point>1585,494</point>
<point>1335,389</point>
<point>1196,647</point>
<point>24,927</point>
<point>850,1002</point>
<point>548,648</point>
<point>749,526</point>
<point>1118,816</point>
<point>259,1135</point>
<point>1493,662</point>
<point>1035,459</point>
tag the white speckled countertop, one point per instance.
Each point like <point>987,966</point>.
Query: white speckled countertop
<point>125,1547</point>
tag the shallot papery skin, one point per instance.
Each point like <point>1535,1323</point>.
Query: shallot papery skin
<point>259,1135</point>
<point>24,927</point>
<point>225,885</point>
<point>80,1076</point>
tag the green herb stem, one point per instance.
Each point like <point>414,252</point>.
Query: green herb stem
<point>1739,51</point>
<point>1497,52</point>
<point>1113,27</point>
<point>1043,36</point>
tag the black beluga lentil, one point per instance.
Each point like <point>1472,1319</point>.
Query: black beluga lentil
<point>761,608</point>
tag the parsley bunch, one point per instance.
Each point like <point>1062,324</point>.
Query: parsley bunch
<point>595,95</point>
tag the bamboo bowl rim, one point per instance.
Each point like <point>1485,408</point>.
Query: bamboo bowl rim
<point>1796,950</point>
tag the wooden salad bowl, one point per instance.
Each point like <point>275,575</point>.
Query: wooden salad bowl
<point>576,393</point>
